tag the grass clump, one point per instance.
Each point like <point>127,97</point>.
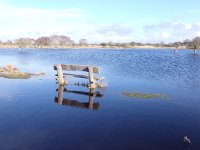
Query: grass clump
<point>11,72</point>
<point>15,75</point>
<point>142,95</point>
<point>102,84</point>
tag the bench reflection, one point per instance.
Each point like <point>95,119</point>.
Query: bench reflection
<point>75,103</point>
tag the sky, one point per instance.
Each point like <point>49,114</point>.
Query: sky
<point>147,21</point>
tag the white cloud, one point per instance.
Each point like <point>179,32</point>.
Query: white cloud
<point>20,21</point>
<point>103,32</point>
<point>117,29</point>
<point>198,33</point>
<point>197,24</point>
<point>165,34</point>
<point>173,31</point>
<point>188,26</point>
<point>34,22</point>
<point>8,12</point>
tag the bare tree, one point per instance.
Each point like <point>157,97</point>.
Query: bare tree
<point>187,43</point>
<point>196,44</point>
<point>60,40</point>
<point>43,41</point>
<point>65,41</point>
<point>103,44</point>
<point>8,42</point>
<point>111,44</point>
<point>83,42</point>
<point>25,42</point>
<point>132,43</point>
<point>54,40</point>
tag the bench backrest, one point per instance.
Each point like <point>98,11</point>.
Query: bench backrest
<point>78,68</point>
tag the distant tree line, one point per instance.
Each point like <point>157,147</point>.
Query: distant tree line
<point>189,44</point>
<point>61,41</point>
<point>55,41</point>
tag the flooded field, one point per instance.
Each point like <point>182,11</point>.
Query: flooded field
<point>151,102</point>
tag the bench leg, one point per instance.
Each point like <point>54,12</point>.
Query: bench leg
<point>91,78</point>
<point>60,94</point>
<point>60,75</point>
<point>91,99</point>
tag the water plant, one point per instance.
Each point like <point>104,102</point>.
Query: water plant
<point>102,84</point>
<point>16,75</point>
<point>11,72</point>
<point>142,95</point>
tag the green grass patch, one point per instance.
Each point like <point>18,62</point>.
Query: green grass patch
<point>12,72</point>
<point>15,75</point>
<point>142,95</point>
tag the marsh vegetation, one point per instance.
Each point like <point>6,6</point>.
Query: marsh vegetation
<point>12,72</point>
<point>143,95</point>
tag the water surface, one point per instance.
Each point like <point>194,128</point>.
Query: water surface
<point>31,117</point>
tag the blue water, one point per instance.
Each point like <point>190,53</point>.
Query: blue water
<point>30,118</point>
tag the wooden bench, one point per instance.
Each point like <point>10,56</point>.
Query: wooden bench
<point>90,69</point>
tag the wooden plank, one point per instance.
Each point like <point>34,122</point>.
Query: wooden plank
<point>96,94</point>
<point>75,75</point>
<point>79,68</point>
<point>79,76</point>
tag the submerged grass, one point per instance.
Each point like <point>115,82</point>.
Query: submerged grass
<point>142,95</point>
<point>102,84</point>
<point>12,72</point>
<point>16,75</point>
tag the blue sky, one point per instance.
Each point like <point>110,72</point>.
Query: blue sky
<point>98,21</point>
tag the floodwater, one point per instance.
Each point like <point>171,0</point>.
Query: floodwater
<point>32,116</point>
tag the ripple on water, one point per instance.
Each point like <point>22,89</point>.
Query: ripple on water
<point>30,118</point>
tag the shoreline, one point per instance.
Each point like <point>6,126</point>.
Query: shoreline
<point>91,47</point>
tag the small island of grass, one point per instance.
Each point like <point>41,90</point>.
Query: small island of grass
<point>11,72</point>
<point>142,95</point>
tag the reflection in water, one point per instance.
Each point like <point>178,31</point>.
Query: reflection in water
<point>75,103</point>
